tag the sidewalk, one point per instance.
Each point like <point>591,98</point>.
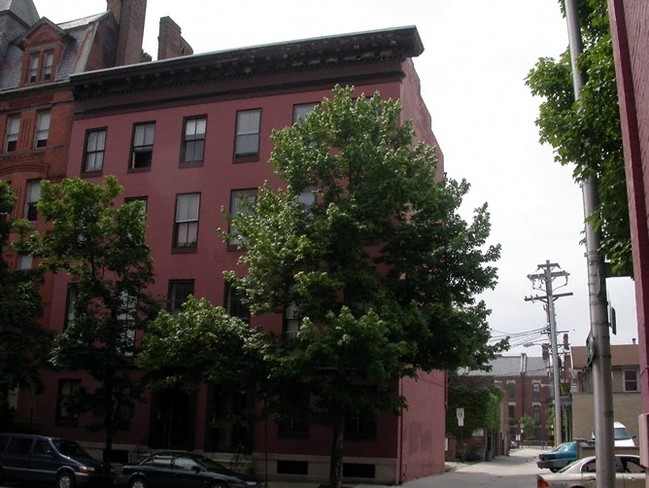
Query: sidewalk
<point>519,461</point>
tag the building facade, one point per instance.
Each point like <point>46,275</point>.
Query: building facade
<point>630,35</point>
<point>625,372</point>
<point>37,59</point>
<point>190,137</point>
<point>528,391</point>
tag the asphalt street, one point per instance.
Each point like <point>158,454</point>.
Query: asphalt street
<point>518,470</point>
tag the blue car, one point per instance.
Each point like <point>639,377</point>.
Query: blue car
<point>37,459</point>
<point>557,458</point>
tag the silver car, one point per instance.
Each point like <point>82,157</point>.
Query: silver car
<point>581,474</point>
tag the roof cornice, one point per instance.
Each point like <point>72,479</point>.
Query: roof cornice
<point>264,60</point>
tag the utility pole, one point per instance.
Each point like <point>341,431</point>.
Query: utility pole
<point>599,343</point>
<point>546,279</point>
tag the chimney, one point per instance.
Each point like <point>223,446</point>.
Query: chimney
<point>130,16</point>
<point>170,43</point>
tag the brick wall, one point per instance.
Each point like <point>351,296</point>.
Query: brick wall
<point>130,15</point>
<point>630,33</point>
<point>170,41</point>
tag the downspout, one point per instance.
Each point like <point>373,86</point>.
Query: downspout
<point>400,468</point>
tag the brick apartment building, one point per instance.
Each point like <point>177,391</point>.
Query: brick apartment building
<point>37,59</point>
<point>630,34</point>
<point>192,133</point>
<point>527,387</point>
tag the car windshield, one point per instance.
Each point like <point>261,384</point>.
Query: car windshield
<point>70,448</point>
<point>621,433</point>
<point>562,447</point>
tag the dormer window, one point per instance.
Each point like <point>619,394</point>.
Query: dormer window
<point>41,66</point>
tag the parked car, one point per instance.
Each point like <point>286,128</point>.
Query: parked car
<point>557,458</point>
<point>581,473</point>
<point>621,436</point>
<point>48,460</point>
<point>173,468</point>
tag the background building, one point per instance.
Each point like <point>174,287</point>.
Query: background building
<point>626,389</point>
<point>528,391</point>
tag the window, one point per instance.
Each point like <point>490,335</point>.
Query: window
<point>360,426</point>
<point>247,137</point>
<point>48,62</point>
<point>186,463</point>
<point>34,61</point>
<point>295,426</point>
<point>142,152</point>
<point>70,303</point>
<point>126,315</point>
<point>302,110</point>
<point>186,225</point>
<point>241,202</point>
<point>536,392</point>
<point>41,66</point>
<point>511,413</point>
<point>292,320</point>
<point>24,261</point>
<point>65,399</point>
<point>93,157</point>
<point>511,390</point>
<point>11,137</point>
<point>536,413</point>
<point>20,445</point>
<point>178,292</point>
<point>43,448</point>
<point>33,194</point>
<point>630,380</point>
<point>234,306</point>
<point>194,140</point>
<point>143,199</point>
<point>42,128</point>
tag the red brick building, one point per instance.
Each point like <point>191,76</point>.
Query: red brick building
<point>191,136</point>
<point>527,386</point>
<point>630,33</point>
<point>37,59</point>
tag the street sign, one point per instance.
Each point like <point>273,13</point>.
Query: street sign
<point>459,412</point>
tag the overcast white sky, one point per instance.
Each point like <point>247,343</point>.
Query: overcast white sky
<point>477,54</point>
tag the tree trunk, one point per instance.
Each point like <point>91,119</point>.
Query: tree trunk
<point>336,464</point>
<point>108,423</point>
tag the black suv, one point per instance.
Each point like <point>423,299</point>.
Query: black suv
<point>48,460</point>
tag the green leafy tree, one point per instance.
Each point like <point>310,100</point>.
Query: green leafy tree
<point>587,133</point>
<point>369,250</point>
<point>528,426</point>
<point>481,404</point>
<point>24,343</point>
<point>102,249</point>
<point>204,344</point>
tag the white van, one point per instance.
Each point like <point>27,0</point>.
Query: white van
<point>622,435</point>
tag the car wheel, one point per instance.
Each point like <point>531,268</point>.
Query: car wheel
<point>138,483</point>
<point>219,484</point>
<point>65,480</point>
